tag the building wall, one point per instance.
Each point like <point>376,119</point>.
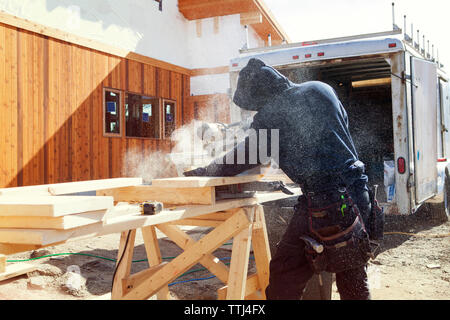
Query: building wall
<point>134,25</point>
<point>51,104</point>
<point>139,26</point>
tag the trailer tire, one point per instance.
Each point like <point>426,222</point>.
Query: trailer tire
<point>440,212</point>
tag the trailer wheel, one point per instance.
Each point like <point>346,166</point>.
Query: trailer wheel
<point>440,212</point>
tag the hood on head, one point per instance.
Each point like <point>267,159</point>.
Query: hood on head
<point>257,84</point>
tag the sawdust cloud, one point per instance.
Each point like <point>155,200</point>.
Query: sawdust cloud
<point>187,152</point>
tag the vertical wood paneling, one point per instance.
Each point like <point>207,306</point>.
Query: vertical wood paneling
<point>51,110</point>
<point>12,67</point>
<point>187,107</point>
<point>51,98</point>
<point>134,76</point>
<point>3,106</point>
<point>66,99</point>
<point>176,92</point>
<point>163,83</point>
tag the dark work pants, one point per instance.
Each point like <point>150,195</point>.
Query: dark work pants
<point>290,270</point>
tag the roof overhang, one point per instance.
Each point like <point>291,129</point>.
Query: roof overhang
<point>263,21</point>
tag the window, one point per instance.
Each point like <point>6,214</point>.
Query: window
<point>112,107</point>
<point>169,117</point>
<point>142,116</point>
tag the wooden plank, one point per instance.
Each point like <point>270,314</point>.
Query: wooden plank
<point>154,255</point>
<point>198,182</point>
<point>17,269</point>
<point>209,71</point>
<point>133,280</point>
<point>184,241</point>
<point>249,18</point>
<point>239,261</point>
<point>216,216</point>
<point>72,187</point>
<point>261,250</point>
<point>10,107</point>
<point>4,97</point>
<point>8,248</point>
<point>175,196</point>
<point>2,263</point>
<point>123,266</point>
<point>58,223</point>
<point>251,286</point>
<point>190,257</point>
<point>197,222</point>
<point>51,206</point>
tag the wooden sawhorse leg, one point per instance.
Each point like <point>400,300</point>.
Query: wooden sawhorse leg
<point>154,255</point>
<point>240,285</point>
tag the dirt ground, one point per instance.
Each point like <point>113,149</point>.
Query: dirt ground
<point>408,268</point>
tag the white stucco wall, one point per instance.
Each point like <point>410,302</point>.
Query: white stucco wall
<point>215,50</point>
<point>139,26</point>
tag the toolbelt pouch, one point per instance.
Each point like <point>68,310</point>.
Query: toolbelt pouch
<point>342,249</point>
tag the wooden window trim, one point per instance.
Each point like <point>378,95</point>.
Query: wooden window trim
<point>120,108</point>
<point>163,118</point>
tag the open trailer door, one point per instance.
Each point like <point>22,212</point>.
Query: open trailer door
<point>424,110</point>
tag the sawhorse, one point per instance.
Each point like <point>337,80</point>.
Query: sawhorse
<point>245,225</point>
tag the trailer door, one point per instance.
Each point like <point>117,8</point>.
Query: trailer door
<point>424,107</point>
<point>445,118</point>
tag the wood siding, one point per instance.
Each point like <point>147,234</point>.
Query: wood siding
<point>209,107</point>
<point>51,109</point>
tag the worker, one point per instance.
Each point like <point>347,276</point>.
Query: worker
<point>316,151</point>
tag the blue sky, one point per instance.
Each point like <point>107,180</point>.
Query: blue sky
<point>305,20</point>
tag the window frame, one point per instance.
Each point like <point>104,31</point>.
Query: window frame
<point>163,119</point>
<point>160,131</point>
<point>120,108</point>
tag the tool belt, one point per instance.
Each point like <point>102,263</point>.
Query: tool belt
<point>339,228</point>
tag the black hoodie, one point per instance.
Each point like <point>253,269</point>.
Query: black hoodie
<point>315,146</point>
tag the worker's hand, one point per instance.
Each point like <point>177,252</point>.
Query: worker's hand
<point>196,172</point>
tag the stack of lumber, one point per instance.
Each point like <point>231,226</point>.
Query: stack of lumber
<point>35,210</point>
<point>39,216</point>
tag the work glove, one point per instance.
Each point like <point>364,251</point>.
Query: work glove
<point>195,173</point>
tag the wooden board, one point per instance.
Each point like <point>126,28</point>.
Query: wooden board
<point>16,269</point>
<point>172,196</point>
<point>71,187</point>
<point>52,206</point>
<point>199,182</point>
<point>239,261</point>
<point>57,223</point>
<point>2,263</point>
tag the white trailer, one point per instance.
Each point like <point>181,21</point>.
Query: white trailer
<point>397,98</point>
